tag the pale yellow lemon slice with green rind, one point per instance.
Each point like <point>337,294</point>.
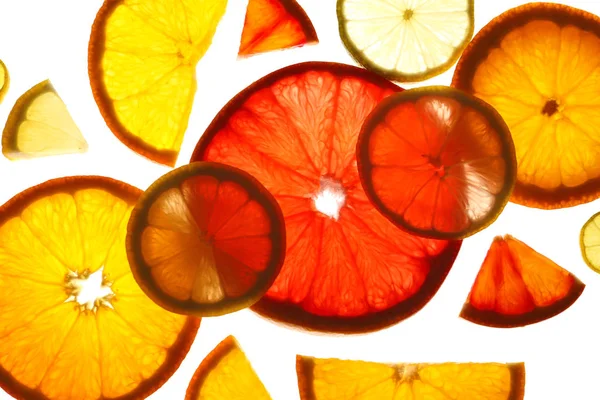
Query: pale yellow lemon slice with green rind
<point>4,80</point>
<point>589,242</point>
<point>141,60</point>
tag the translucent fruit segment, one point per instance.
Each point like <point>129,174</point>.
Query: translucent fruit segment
<point>4,80</point>
<point>274,25</point>
<point>589,242</point>
<point>518,286</point>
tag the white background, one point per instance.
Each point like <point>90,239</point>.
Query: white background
<point>48,39</point>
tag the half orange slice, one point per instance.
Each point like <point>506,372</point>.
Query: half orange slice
<point>4,80</point>
<point>518,286</point>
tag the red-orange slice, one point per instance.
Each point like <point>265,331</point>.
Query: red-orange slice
<point>206,239</point>
<point>518,286</point>
<point>274,25</point>
<point>347,268</point>
<point>437,162</point>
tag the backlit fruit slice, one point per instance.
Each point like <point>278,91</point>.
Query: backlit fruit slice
<point>40,125</point>
<point>333,379</point>
<point>589,242</point>
<point>537,65</point>
<point>206,239</point>
<point>347,269</point>
<point>226,374</point>
<point>142,59</point>
<point>74,325</point>
<point>518,286</point>
<point>4,80</point>
<point>437,162</point>
<point>274,25</point>
<point>406,40</point>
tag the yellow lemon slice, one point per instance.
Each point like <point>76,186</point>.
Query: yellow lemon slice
<point>4,80</point>
<point>589,242</point>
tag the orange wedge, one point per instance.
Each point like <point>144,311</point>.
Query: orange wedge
<point>4,80</point>
<point>226,374</point>
<point>40,125</point>
<point>518,286</point>
<point>142,58</point>
<point>274,25</point>
<point>333,379</point>
<point>206,239</point>
<point>537,65</point>
<point>74,324</point>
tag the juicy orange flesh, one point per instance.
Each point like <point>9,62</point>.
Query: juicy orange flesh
<point>52,346</point>
<point>206,240</point>
<point>3,79</point>
<point>446,158</point>
<point>515,279</point>
<point>543,79</point>
<point>290,135</point>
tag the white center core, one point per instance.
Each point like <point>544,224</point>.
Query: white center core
<point>330,198</point>
<point>89,290</point>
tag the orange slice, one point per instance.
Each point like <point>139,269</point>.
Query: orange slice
<point>437,162</point>
<point>518,286</point>
<point>226,374</point>
<point>206,239</point>
<point>40,125</point>
<point>589,242</point>
<point>537,65</point>
<point>4,80</point>
<point>142,58</point>
<point>74,324</point>
<point>274,25</point>
<point>333,379</point>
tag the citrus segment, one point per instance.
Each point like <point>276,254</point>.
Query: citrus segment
<point>40,125</point>
<point>332,379</point>
<point>63,338</point>
<point>536,65</point>
<point>347,268</point>
<point>589,242</point>
<point>406,40</point>
<point>4,80</point>
<point>142,57</point>
<point>206,239</point>
<point>518,286</point>
<point>275,25</point>
<point>226,374</point>
<point>451,154</point>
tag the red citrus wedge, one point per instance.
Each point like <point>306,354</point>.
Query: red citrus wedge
<point>347,268</point>
<point>437,162</point>
<point>518,286</point>
<point>275,25</point>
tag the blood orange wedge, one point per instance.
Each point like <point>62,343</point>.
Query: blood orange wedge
<point>518,286</point>
<point>347,268</point>
<point>437,162</point>
<point>4,80</point>
<point>274,25</point>
<point>333,379</point>
<point>141,60</point>
<point>226,374</point>
<point>589,242</point>
<point>537,65</point>
<point>74,324</point>
<point>206,239</point>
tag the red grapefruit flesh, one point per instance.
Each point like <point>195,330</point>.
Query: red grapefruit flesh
<point>347,268</point>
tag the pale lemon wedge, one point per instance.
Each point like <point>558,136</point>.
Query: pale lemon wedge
<point>4,80</point>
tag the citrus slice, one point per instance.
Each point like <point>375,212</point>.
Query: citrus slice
<point>206,239</point>
<point>437,162</point>
<point>226,374</point>
<point>40,125</point>
<point>142,58</point>
<point>347,269</point>
<point>406,40</point>
<point>537,65</point>
<point>74,325</point>
<point>274,25</point>
<point>333,379</point>
<point>589,242</point>
<point>4,80</point>
<point>517,286</point>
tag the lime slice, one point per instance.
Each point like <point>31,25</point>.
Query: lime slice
<point>589,241</point>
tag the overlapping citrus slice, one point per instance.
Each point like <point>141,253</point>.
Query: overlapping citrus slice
<point>274,25</point>
<point>518,286</point>
<point>226,374</point>
<point>406,40</point>
<point>347,268</point>
<point>206,239</point>
<point>40,125</point>
<point>74,324</point>
<point>537,65</point>
<point>589,242</point>
<point>141,60</point>
<point>333,379</point>
<point>4,80</point>
<point>437,162</point>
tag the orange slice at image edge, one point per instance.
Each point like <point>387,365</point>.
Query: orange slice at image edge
<point>4,80</point>
<point>206,239</point>
<point>517,286</point>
